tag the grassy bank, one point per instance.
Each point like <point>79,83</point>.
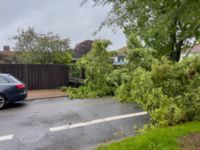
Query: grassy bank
<point>157,139</point>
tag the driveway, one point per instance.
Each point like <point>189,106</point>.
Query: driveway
<point>63,124</point>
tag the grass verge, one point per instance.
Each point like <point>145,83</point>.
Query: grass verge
<point>156,139</point>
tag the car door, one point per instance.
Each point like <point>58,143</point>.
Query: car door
<point>3,85</point>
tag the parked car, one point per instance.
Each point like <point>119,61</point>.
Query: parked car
<point>11,90</point>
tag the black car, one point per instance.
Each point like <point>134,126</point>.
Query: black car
<point>11,90</point>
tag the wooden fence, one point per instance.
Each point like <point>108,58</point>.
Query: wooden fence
<point>38,76</point>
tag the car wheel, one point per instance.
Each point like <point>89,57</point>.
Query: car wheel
<point>2,101</point>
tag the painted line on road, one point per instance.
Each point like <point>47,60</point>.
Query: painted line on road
<point>70,126</point>
<point>6,138</point>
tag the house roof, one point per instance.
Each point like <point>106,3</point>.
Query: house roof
<point>82,48</point>
<point>6,55</point>
<point>120,52</point>
<point>195,49</point>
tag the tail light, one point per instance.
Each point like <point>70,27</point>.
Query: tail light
<point>20,86</point>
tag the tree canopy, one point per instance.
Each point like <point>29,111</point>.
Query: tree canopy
<point>98,66</point>
<point>167,26</point>
<point>82,48</point>
<point>37,48</point>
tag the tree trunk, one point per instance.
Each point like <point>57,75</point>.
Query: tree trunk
<point>176,51</point>
<point>173,54</point>
<point>176,44</point>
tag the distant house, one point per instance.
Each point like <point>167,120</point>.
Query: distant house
<point>6,55</point>
<point>81,49</point>
<point>195,50</point>
<point>120,57</point>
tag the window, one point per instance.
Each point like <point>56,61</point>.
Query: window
<point>2,80</point>
<point>120,59</point>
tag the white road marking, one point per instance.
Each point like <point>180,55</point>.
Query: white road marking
<point>5,138</point>
<point>65,127</point>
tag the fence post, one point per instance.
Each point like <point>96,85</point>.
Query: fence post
<point>26,75</point>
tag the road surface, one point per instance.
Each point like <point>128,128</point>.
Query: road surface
<point>64,124</point>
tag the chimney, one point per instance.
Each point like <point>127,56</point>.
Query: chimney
<point>6,48</point>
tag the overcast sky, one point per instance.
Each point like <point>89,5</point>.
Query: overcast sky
<point>63,17</point>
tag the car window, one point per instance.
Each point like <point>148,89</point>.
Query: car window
<point>2,80</point>
<point>13,79</point>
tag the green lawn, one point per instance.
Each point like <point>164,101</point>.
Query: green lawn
<point>157,139</point>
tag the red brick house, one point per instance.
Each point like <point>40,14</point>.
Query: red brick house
<point>195,50</point>
<point>6,55</point>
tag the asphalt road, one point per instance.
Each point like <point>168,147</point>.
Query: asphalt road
<point>63,124</point>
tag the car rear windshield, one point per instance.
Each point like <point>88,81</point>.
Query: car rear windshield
<point>13,79</point>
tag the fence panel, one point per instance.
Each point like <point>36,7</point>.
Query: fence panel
<point>38,76</point>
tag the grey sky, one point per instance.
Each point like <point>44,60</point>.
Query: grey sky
<point>64,17</point>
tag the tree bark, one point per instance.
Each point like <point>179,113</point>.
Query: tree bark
<point>176,51</point>
<point>176,45</point>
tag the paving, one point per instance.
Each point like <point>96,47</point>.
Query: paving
<point>44,94</point>
<point>83,124</point>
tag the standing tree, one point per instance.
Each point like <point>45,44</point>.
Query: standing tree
<point>98,65</point>
<point>82,48</point>
<point>36,48</point>
<point>167,26</point>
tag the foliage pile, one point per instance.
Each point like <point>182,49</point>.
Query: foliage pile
<point>98,66</point>
<point>170,92</point>
<point>75,71</point>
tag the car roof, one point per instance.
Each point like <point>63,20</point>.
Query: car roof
<point>9,77</point>
<point>4,74</point>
